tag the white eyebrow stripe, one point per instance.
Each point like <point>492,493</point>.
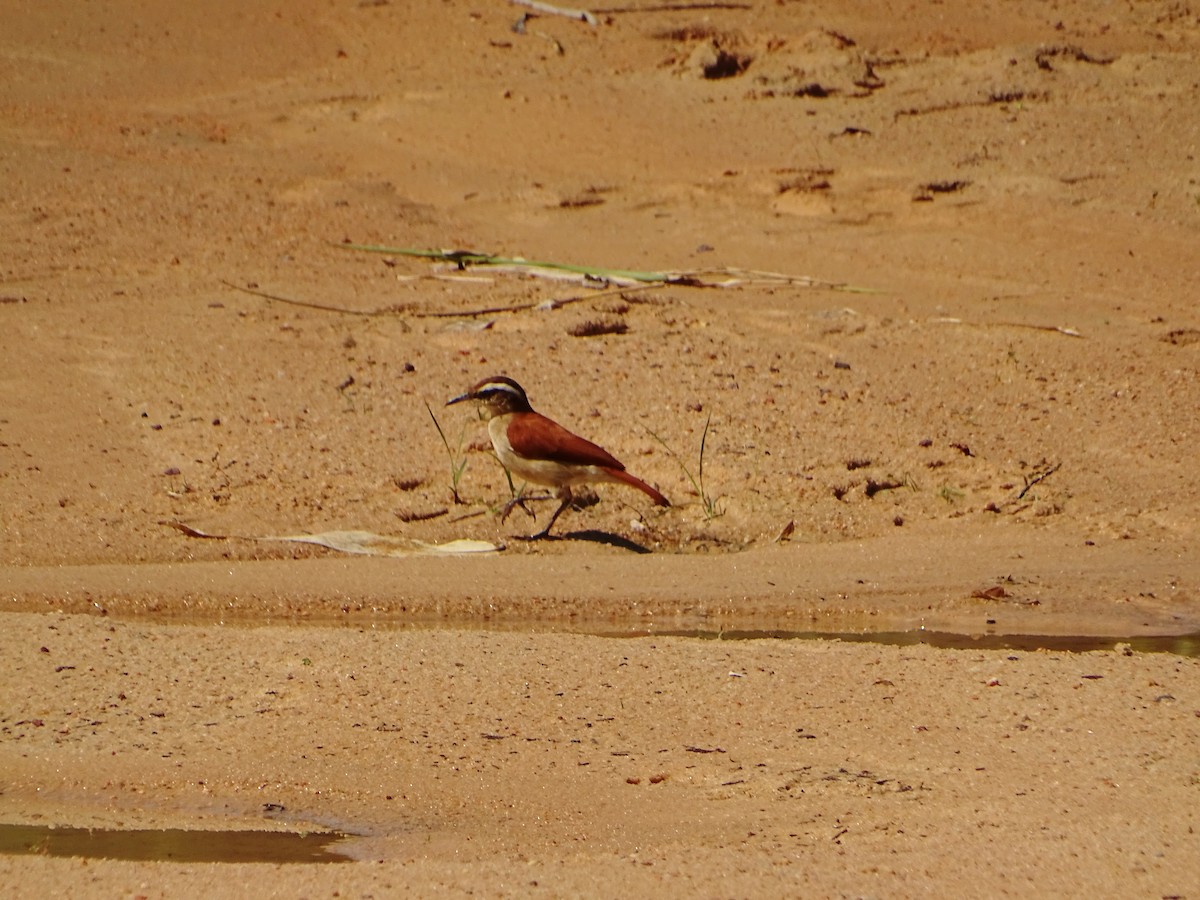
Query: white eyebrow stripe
<point>498,386</point>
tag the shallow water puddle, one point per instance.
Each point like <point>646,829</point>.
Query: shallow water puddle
<point>174,845</point>
<point>1179,644</point>
<point>1187,644</point>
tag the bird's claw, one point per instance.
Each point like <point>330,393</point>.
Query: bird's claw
<point>513,504</point>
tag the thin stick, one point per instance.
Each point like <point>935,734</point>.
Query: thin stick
<point>670,7</point>
<point>949,320</point>
<point>465,314</point>
<point>465,258</point>
<point>557,275</point>
<point>545,304</point>
<point>581,15</point>
<point>1041,477</point>
<point>307,304</point>
<point>1069,332</point>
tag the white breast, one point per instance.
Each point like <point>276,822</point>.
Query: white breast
<point>538,471</point>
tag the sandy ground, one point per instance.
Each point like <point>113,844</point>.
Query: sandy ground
<point>972,408</point>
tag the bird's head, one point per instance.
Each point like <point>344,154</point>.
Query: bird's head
<point>497,395</point>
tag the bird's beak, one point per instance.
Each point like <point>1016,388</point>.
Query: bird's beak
<point>460,398</point>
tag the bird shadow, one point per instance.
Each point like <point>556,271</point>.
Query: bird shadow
<point>595,536</point>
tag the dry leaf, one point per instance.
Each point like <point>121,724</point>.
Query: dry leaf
<point>364,543</point>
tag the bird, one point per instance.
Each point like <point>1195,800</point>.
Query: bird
<point>539,450</point>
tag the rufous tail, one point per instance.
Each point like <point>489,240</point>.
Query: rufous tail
<point>625,478</point>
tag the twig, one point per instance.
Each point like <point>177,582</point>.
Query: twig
<point>1060,329</point>
<point>465,314</point>
<point>758,276</point>
<point>533,271</point>
<point>545,304</point>
<point>627,280</point>
<point>671,7</point>
<point>954,105</point>
<point>1069,332</point>
<point>464,259</point>
<point>1038,478</point>
<point>581,15</point>
<point>384,311</point>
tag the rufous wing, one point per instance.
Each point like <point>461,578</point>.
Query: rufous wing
<point>533,436</point>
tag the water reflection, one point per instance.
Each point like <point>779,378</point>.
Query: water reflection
<point>1179,644</point>
<point>173,845</point>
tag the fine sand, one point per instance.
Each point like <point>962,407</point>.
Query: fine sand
<point>928,368</point>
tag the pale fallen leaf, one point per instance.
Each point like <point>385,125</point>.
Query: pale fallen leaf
<point>363,543</point>
<point>371,544</point>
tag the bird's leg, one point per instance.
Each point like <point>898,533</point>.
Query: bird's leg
<point>519,501</point>
<point>564,495</point>
<point>513,504</point>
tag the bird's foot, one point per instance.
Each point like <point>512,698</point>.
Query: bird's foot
<point>545,532</point>
<point>519,502</point>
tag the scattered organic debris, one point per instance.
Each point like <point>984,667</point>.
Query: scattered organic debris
<point>580,201</point>
<point>1069,52</point>
<point>1038,479</point>
<point>724,64</point>
<point>608,282</point>
<point>1015,96</point>
<point>806,181</point>
<point>993,593</point>
<point>687,34</point>
<point>944,187</point>
<point>409,515</point>
<point>726,276</point>
<point>589,196</point>
<point>1183,337</point>
<point>813,89</point>
<point>926,192</point>
<point>874,487</point>
<point>993,98</point>
<point>597,327</point>
<point>464,259</point>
